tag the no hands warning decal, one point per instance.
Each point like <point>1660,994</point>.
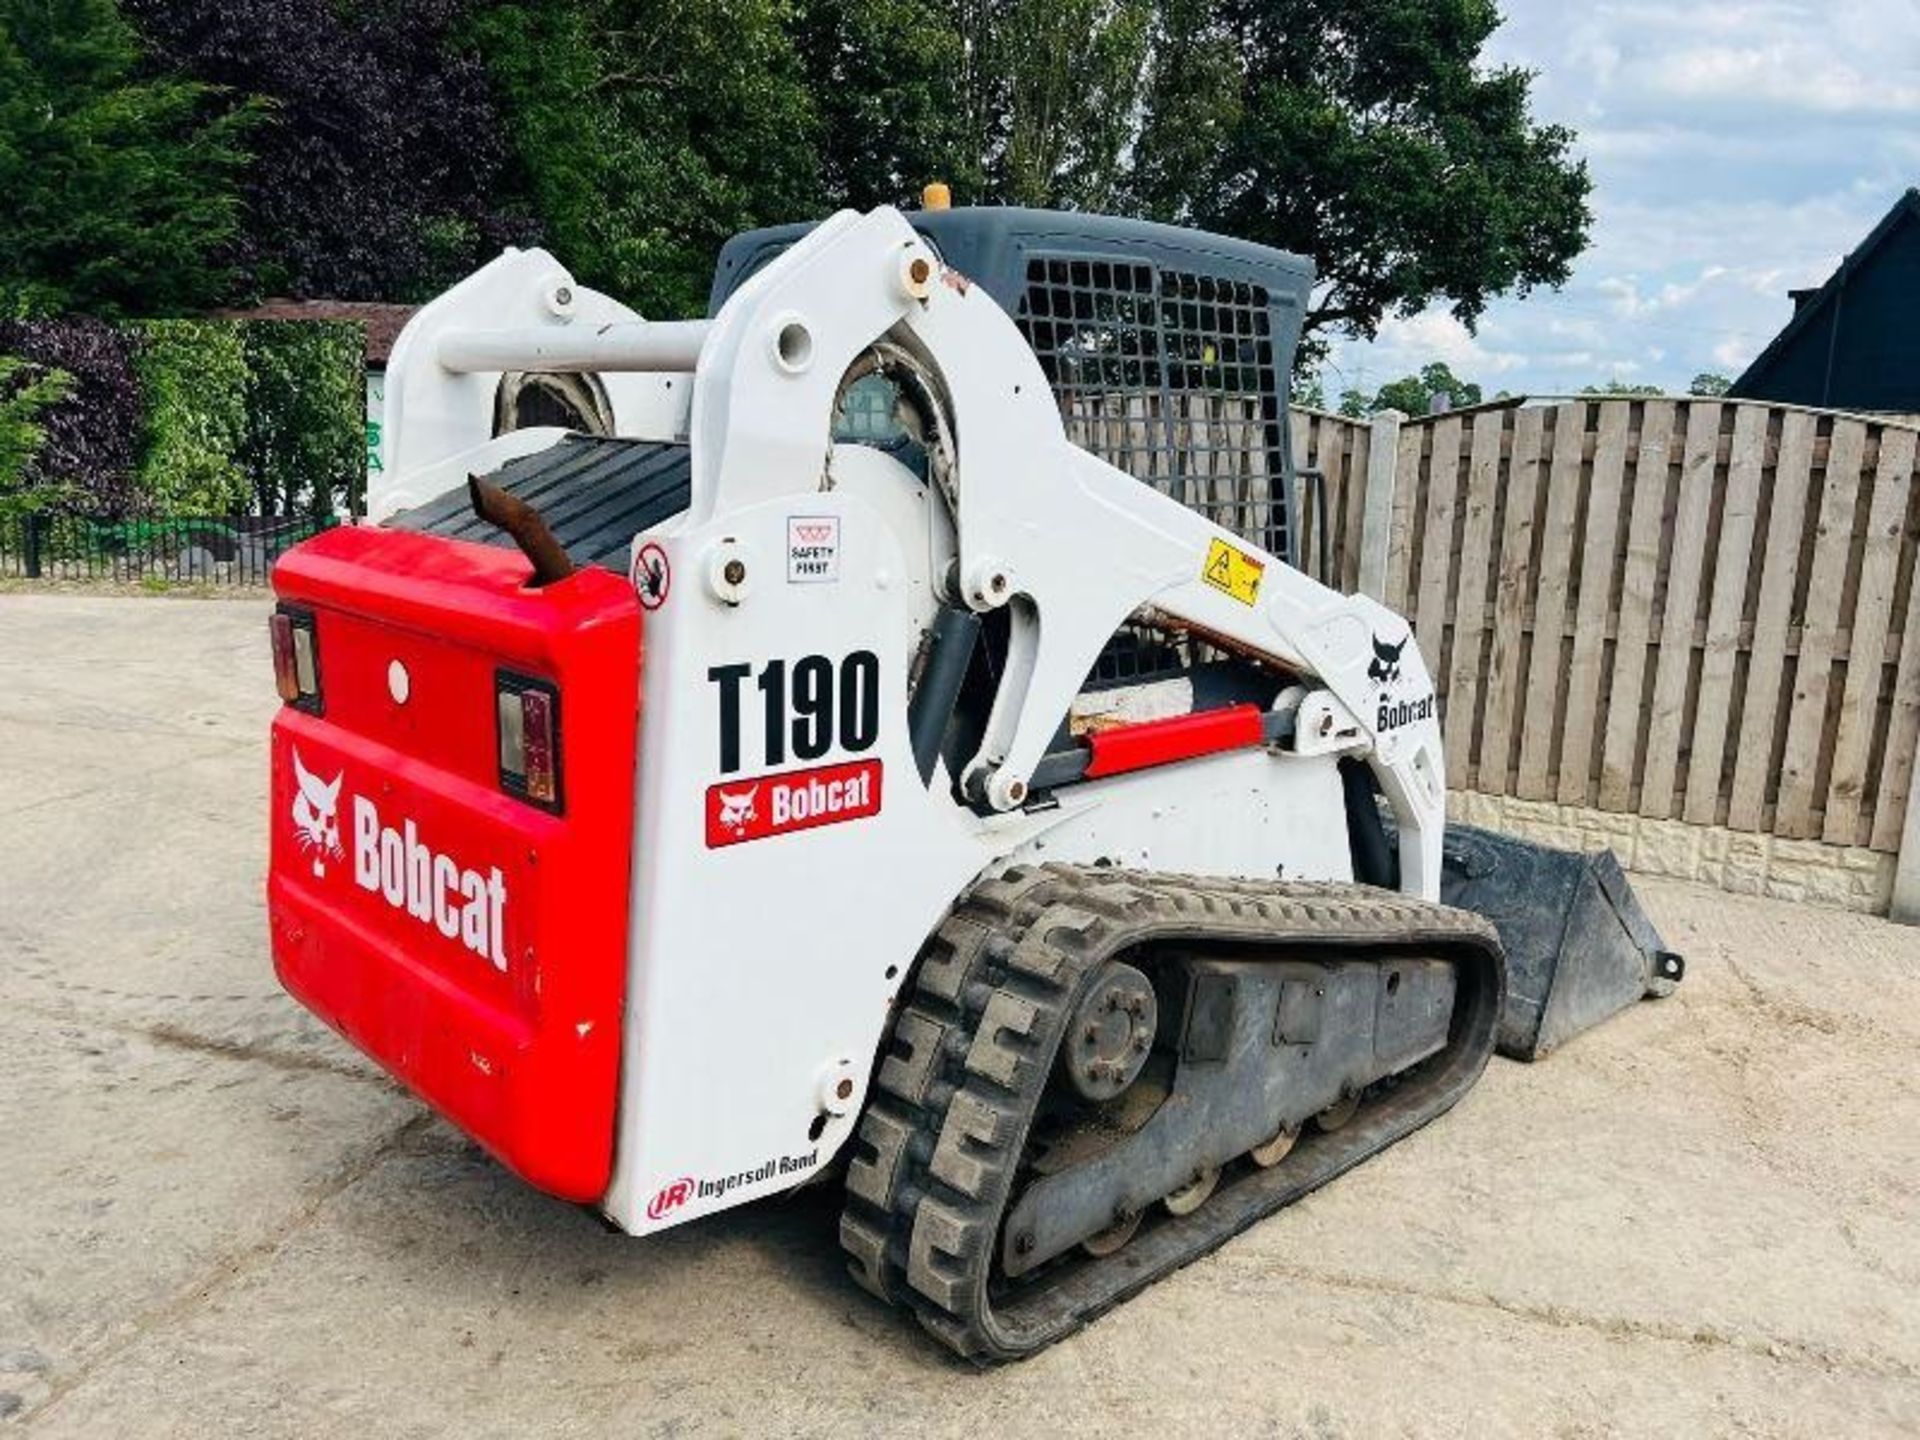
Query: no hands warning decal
<point>652,576</point>
<point>1233,572</point>
<point>755,809</point>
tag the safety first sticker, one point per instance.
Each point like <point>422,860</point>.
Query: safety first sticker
<point>1233,572</point>
<point>813,549</point>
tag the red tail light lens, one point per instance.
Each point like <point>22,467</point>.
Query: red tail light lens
<point>296,658</point>
<point>284,675</point>
<point>529,721</point>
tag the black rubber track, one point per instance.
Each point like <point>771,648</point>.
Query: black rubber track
<point>938,1149</point>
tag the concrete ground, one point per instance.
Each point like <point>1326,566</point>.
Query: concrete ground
<point>1703,1218</point>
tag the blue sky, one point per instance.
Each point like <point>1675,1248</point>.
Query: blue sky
<point>1738,148</point>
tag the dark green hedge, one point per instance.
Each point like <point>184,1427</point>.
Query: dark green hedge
<point>190,417</point>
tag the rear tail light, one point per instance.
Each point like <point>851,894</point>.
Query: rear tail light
<point>296,658</point>
<point>529,714</point>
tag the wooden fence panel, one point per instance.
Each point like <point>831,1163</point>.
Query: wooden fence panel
<point>1651,467</point>
<point>1872,619</point>
<point>1353,507</point>
<point>1599,556</point>
<point>1408,498</point>
<point>1756,763</point>
<point>1826,586</point>
<point>1696,609</point>
<point>1902,751</point>
<point>1545,671</point>
<point>1477,541</point>
<point>1338,448</point>
<point>1512,593</point>
<point>1686,556</point>
<point>1437,581</point>
<point>1739,507</point>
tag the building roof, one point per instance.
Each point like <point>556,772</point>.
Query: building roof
<point>1818,360</point>
<point>383,319</point>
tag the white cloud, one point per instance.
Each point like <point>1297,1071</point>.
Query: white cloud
<point>1739,148</point>
<point>1734,353</point>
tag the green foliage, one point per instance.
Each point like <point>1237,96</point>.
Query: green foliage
<point>1308,389</point>
<point>1052,106</point>
<point>1196,91</point>
<point>229,415</point>
<point>652,131</point>
<point>305,445</point>
<point>1021,102</point>
<point>885,76</point>
<point>25,390</point>
<point>1370,135</point>
<point>119,186</point>
<point>1415,394</point>
<point>193,374</point>
<point>1621,388</point>
<point>1709,384</point>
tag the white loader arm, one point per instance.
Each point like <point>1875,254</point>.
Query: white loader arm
<point>1073,547</point>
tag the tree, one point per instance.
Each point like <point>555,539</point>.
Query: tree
<point>120,187</point>
<point>1309,390</point>
<point>885,80</point>
<point>1024,102</point>
<point>1707,383</point>
<point>90,436</point>
<point>26,389</point>
<point>1416,394</point>
<point>384,173</point>
<point>305,442</point>
<point>1052,99</point>
<point>650,131</point>
<point>1621,387</point>
<point>193,377</point>
<point>1369,135</point>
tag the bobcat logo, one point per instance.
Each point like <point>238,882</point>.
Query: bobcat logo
<point>736,808</point>
<point>1385,666</point>
<point>316,818</point>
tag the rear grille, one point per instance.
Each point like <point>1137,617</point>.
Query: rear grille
<point>1169,375</point>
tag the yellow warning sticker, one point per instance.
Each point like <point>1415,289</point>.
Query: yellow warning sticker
<point>1233,571</point>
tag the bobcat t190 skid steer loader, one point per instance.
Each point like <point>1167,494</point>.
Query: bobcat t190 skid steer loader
<point>882,730</point>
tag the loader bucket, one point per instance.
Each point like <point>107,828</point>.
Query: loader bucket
<point>1579,947</point>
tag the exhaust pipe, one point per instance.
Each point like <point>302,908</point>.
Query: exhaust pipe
<point>510,513</point>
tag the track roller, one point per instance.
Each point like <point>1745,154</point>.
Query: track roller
<point>976,1114</point>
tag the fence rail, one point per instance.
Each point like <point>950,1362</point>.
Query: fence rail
<point>219,550</point>
<point>1700,610</point>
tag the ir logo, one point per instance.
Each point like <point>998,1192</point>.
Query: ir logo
<point>670,1198</point>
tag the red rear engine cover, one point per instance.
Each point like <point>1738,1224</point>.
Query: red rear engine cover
<point>470,942</point>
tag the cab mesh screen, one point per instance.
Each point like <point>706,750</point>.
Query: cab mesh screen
<point>1169,375</point>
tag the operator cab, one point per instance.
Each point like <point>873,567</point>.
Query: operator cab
<point>1169,349</point>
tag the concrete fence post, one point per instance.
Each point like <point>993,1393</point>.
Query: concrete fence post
<point>1376,524</point>
<point>1905,909</point>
